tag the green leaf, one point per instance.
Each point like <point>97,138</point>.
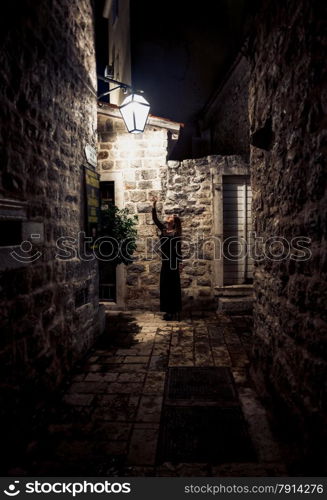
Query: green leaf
<point>117,224</point>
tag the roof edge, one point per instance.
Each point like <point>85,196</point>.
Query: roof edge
<point>158,121</point>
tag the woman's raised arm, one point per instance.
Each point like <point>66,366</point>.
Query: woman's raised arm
<point>155,219</point>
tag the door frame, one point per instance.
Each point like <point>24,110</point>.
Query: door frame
<point>117,178</point>
<point>224,165</point>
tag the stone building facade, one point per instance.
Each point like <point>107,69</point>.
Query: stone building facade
<point>138,166</point>
<point>287,105</point>
<point>224,121</point>
<point>49,307</point>
<point>119,44</point>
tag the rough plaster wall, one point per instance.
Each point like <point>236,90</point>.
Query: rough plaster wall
<point>48,115</point>
<point>287,105</point>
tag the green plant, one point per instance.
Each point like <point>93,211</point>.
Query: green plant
<point>120,227</point>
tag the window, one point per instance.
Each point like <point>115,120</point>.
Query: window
<point>107,194</point>
<point>115,10</point>
<point>10,233</point>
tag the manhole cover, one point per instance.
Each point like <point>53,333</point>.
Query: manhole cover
<point>200,383</point>
<point>206,434</point>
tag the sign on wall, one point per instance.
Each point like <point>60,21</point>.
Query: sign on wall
<point>92,185</point>
<point>91,155</point>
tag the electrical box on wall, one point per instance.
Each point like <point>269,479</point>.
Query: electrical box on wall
<point>18,236</point>
<point>33,231</point>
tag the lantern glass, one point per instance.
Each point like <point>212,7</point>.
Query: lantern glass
<point>135,110</point>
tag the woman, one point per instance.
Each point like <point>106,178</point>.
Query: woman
<point>170,247</point>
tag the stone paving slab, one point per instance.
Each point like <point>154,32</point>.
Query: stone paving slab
<point>143,445</point>
<point>114,431</point>
<point>131,376</point>
<point>137,359</point>
<point>158,362</point>
<point>125,388</point>
<point>155,383</point>
<point>149,409</point>
<point>117,408</point>
<point>88,388</point>
<point>100,377</point>
<point>79,399</point>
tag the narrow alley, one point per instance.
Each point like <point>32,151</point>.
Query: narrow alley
<point>163,241</point>
<point>160,399</point>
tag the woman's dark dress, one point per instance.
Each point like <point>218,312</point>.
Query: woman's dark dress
<point>170,284</point>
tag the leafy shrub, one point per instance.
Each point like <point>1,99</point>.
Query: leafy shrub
<point>120,229</point>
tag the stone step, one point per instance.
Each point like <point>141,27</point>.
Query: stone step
<point>234,291</point>
<point>235,304</point>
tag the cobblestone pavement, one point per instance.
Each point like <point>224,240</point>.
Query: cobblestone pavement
<point>108,420</point>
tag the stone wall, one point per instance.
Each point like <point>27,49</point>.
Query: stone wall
<point>224,122</point>
<point>183,188</point>
<point>287,104</point>
<point>49,308</point>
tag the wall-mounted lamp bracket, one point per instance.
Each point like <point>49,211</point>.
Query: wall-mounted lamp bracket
<point>119,85</point>
<point>134,109</point>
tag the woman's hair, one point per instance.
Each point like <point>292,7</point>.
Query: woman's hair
<point>177,225</point>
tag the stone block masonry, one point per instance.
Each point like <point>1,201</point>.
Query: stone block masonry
<point>226,114</point>
<point>183,188</point>
<point>287,106</point>
<point>49,308</point>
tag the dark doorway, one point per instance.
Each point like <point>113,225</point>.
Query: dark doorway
<point>107,270</point>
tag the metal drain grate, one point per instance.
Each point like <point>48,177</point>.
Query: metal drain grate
<point>204,434</point>
<point>201,383</point>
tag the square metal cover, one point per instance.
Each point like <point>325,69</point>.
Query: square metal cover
<point>204,434</point>
<point>210,384</point>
